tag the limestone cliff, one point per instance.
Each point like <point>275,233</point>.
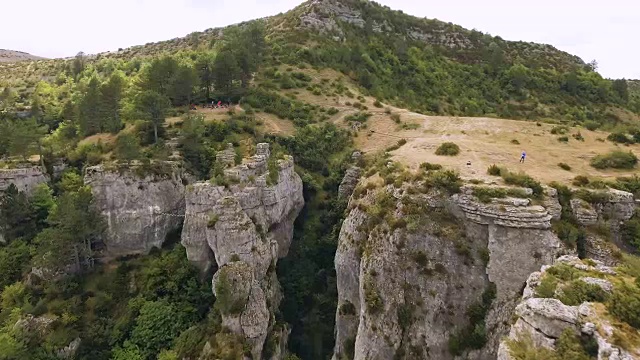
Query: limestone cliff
<point>25,179</point>
<point>420,275</point>
<point>139,207</point>
<point>550,307</point>
<point>245,225</point>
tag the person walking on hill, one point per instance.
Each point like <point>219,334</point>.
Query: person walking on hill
<point>524,155</point>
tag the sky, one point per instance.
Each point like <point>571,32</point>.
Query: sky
<point>602,30</point>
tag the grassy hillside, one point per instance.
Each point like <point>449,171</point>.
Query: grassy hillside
<point>316,82</point>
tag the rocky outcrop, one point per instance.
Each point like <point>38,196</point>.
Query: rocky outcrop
<point>25,179</point>
<point>140,209</point>
<point>405,284</point>
<point>244,227</point>
<point>585,214</point>
<point>541,321</point>
<point>614,205</point>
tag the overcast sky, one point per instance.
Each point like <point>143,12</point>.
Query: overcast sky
<point>603,30</point>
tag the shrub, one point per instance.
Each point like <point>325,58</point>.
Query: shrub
<point>578,136</point>
<point>494,170</point>
<point>447,180</point>
<point>522,179</point>
<point>485,194</point>
<point>564,166</point>
<point>578,291</point>
<point>429,166</point>
<point>347,309</point>
<point>377,104</point>
<point>547,287</point>
<point>559,130</point>
<point>397,145</point>
<point>630,232</point>
<point>580,180</point>
<point>448,149</point>
<point>395,118</point>
<point>591,125</point>
<point>616,160</point>
<point>360,117</point>
<point>624,303</point>
<point>567,232</point>
<point>213,220</point>
<point>564,139</point>
<point>332,111</point>
<point>619,138</point>
<point>515,142</point>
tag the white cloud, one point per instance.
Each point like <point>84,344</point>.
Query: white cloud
<point>590,29</point>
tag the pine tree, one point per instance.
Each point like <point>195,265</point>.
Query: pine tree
<point>89,109</point>
<point>153,106</point>
<point>127,148</point>
<point>225,72</point>
<point>181,85</point>
<point>204,66</point>
<point>111,95</point>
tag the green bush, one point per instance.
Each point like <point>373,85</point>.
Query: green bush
<point>395,118</point>
<point>630,232</point>
<point>377,104</point>
<point>567,232</point>
<point>494,170</point>
<point>578,291</point>
<point>547,287</point>
<point>564,139</point>
<point>448,149</point>
<point>559,130</point>
<point>580,181</point>
<point>515,142</point>
<point>564,166</point>
<point>360,117</point>
<point>524,180</point>
<point>447,180</point>
<point>429,166</point>
<point>615,160</point>
<point>619,138</point>
<point>624,303</point>
<point>485,194</point>
<point>591,125</point>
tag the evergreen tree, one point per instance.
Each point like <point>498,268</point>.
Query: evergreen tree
<point>152,107</point>
<point>16,216</point>
<point>158,75</point>
<point>225,72</point>
<point>127,148</point>
<point>111,95</point>
<point>205,63</point>
<point>181,85</point>
<point>89,109</point>
<point>622,89</point>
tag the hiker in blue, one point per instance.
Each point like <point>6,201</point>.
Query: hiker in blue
<point>524,155</point>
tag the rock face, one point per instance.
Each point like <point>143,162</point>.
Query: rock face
<point>25,179</point>
<point>406,291</point>
<point>139,210</point>
<point>618,206</point>
<point>542,320</point>
<point>245,227</point>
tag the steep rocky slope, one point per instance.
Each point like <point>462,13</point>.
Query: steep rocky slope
<point>245,227</point>
<point>425,274</point>
<point>549,308</point>
<point>411,266</point>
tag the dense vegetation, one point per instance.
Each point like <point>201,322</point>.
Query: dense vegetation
<point>113,108</point>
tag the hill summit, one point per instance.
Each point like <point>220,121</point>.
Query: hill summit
<point>15,56</point>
